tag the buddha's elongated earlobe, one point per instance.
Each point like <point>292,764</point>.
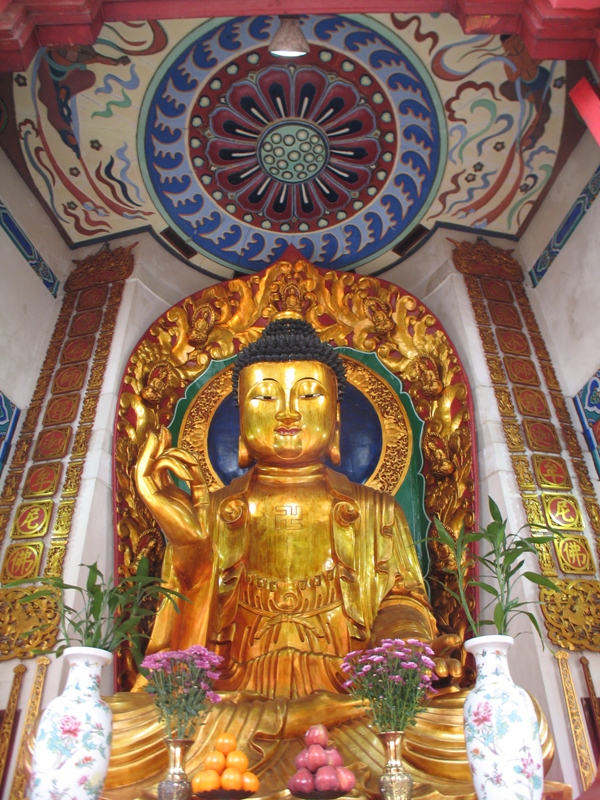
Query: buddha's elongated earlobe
<point>334,447</point>
<point>244,457</point>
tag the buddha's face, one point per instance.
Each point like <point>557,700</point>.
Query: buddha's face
<point>288,412</point>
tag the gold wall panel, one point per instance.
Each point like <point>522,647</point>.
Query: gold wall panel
<point>541,435</point>
<point>78,349</point>
<point>562,512</point>
<point>573,616</point>
<point>18,788</point>
<point>551,472</point>
<point>513,342</point>
<point>42,480</point>
<point>8,720</point>
<point>69,378</point>
<point>32,519</point>
<point>97,303</point>
<point>53,443</point>
<point>531,402</point>
<point>584,757</point>
<point>21,561</point>
<point>574,555</point>
<point>521,370</point>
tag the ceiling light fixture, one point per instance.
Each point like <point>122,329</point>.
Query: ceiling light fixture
<point>289,41</point>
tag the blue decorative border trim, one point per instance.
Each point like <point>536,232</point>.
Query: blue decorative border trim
<point>28,250</point>
<point>587,403</point>
<point>9,415</point>
<point>566,228</point>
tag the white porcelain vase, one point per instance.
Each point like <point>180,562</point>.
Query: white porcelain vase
<point>501,728</point>
<point>72,745</point>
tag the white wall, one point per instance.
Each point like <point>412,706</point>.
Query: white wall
<point>567,299</point>
<point>28,311</point>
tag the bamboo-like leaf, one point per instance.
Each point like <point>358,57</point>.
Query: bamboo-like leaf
<point>499,618</point>
<point>542,580</point>
<point>443,534</point>
<point>486,587</point>
<point>535,624</point>
<point>494,510</point>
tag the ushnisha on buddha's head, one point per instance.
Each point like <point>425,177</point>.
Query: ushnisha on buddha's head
<point>288,383</point>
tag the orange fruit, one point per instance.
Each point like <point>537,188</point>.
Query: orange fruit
<point>225,742</point>
<point>238,760</point>
<point>249,782</point>
<point>231,779</point>
<point>215,760</point>
<point>208,780</point>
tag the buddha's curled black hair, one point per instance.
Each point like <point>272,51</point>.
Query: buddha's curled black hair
<point>289,339</point>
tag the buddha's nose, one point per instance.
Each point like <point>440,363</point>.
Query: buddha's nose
<point>287,411</point>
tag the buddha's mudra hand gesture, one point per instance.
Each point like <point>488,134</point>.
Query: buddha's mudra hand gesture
<point>178,513</point>
<point>443,647</point>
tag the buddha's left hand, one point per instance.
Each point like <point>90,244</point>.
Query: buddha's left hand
<point>443,647</point>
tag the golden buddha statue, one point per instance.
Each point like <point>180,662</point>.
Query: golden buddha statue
<point>286,570</point>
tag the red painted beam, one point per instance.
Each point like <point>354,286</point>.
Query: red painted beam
<point>553,29</point>
<point>576,4</point>
<point>551,23</point>
<point>131,10</point>
<point>586,101</point>
<point>489,23</point>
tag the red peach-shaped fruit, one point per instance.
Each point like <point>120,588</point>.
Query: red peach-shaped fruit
<point>326,780</point>
<point>315,757</point>
<point>302,781</point>
<point>346,779</point>
<point>334,758</point>
<point>300,760</point>
<point>316,734</point>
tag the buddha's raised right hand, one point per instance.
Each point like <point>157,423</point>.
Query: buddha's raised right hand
<point>176,511</point>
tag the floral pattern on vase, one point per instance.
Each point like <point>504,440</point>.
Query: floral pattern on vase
<point>72,746</point>
<point>501,728</point>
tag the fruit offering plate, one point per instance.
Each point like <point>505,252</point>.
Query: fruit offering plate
<point>223,794</point>
<point>319,795</point>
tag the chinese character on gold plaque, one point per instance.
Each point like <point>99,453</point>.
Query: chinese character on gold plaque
<point>513,342</point>
<point>521,370</point>
<point>541,435</point>
<point>92,298</point>
<point>78,349</point>
<point>496,290</point>
<point>574,555</point>
<point>32,519</point>
<point>551,472</point>
<point>505,315</point>
<point>42,480</point>
<point>562,512</point>
<point>69,378</point>
<point>22,561</point>
<point>85,322</point>
<point>52,444</point>
<point>531,402</point>
<point>61,409</point>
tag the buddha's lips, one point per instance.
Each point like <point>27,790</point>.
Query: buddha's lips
<point>287,431</point>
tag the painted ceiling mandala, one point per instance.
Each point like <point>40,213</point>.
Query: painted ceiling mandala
<point>191,129</point>
<point>244,154</point>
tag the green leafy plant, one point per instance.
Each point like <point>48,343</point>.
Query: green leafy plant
<point>109,612</point>
<point>500,555</point>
